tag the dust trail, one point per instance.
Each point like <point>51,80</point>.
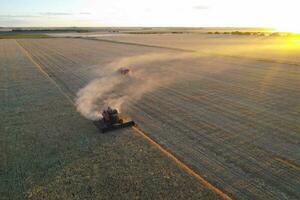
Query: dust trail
<point>147,72</point>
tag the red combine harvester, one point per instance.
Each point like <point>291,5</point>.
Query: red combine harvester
<point>111,121</point>
<point>110,117</point>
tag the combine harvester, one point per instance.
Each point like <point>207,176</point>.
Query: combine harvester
<point>110,117</point>
<point>111,121</point>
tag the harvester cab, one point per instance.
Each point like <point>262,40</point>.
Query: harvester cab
<point>111,116</point>
<point>111,121</point>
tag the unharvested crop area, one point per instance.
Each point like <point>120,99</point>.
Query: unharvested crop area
<point>234,119</point>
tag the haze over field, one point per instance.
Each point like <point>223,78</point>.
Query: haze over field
<point>115,89</point>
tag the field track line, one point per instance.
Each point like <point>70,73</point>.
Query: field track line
<point>40,68</point>
<point>182,165</point>
<point>139,44</point>
<point>196,51</point>
<point>168,154</point>
<point>286,162</point>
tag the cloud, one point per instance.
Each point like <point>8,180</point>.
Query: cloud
<point>63,13</point>
<point>201,7</point>
<point>8,22</point>
<point>85,13</point>
<point>38,15</point>
<point>56,13</point>
<point>18,16</point>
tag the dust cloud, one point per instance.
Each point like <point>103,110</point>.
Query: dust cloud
<point>114,89</point>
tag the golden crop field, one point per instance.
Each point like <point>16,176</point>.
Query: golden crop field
<point>223,121</point>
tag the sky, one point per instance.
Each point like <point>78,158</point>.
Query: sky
<point>281,14</point>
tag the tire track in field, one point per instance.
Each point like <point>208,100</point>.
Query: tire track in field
<point>250,101</point>
<point>57,71</point>
<point>238,90</point>
<point>179,133</point>
<point>236,72</point>
<point>230,108</point>
<point>197,51</point>
<point>40,68</point>
<point>54,70</point>
<point>182,165</point>
<point>139,44</point>
<point>289,163</point>
<point>223,108</point>
<point>185,101</point>
<point>180,127</point>
<point>165,152</point>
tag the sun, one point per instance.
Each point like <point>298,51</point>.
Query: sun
<point>290,29</point>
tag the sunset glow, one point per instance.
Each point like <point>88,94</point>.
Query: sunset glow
<point>281,15</point>
<point>291,29</point>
